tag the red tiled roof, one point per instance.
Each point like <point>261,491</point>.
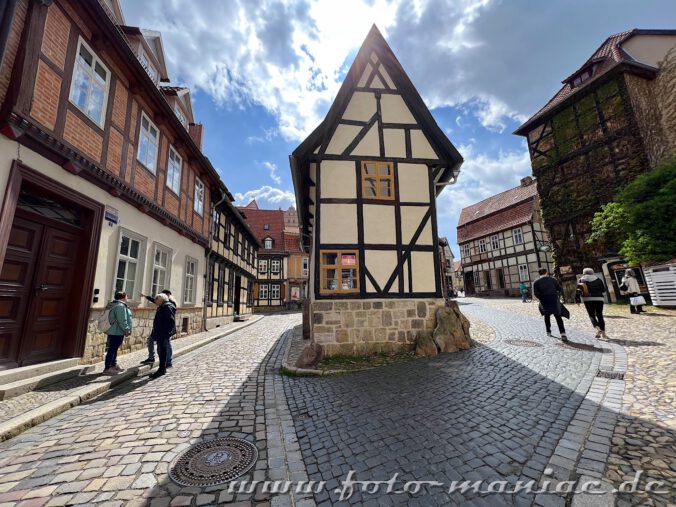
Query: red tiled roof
<point>292,243</point>
<point>457,265</point>
<point>501,211</point>
<point>252,205</point>
<point>608,55</point>
<point>257,218</point>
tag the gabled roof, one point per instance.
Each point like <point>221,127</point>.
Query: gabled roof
<point>507,209</point>
<point>152,39</point>
<point>457,265</point>
<point>258,218</point>
<point>252,205</point>
<point>182,93</point>
<point>607,57</point>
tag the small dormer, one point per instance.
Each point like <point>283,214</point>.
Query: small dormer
<point>268,243</point>
<point>147,45</point>
<point>584,74</point>
<point>180,101</point>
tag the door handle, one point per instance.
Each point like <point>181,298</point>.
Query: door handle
<point>41,288</point>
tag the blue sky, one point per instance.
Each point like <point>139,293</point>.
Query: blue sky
<point>263,74</point>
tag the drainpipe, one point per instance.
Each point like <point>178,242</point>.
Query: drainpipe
<point>214,207</point>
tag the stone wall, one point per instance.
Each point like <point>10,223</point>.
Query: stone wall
<point>371,326</point>
<point>95,345</point>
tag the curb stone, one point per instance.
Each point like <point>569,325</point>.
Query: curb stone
<point>17,425</point>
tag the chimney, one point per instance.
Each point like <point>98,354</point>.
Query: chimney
<point>196,131</point>
<point>526,181</point>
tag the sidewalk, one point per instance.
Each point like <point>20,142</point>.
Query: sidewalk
<point>27,410</point>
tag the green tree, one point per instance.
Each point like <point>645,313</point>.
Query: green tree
<point>642,219</point>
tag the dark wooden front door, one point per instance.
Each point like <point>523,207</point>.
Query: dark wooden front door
<point>36,290</point>
<point>237,294</point>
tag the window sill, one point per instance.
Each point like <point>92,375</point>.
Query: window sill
<point>83,116</point>
<point>154,173</point>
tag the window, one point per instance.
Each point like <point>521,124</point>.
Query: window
<point>129,262</point>
<point>148,141</point>
<point>161,263</point>
<point>231,286</point>
<point>174,174</point>
<point>262,266</point>
<point>306,266</point>
<point>263,292</point>
<point>181,117</point>
<point>523,273</point>
<point>482,246</point>
<point>149,67</point>
<point>339,271</point>
<point>249,292</point>
<point>274,292</point>
<point>466,250</point>
<point>274,266</point>
<point>211,281</point>
<point>518,237</point>
<point>495,242</point>
<point>221,284</point>
<point>377,180</point>
<point>227,234</point>
<point>189,286</point>
<point>268,244</point>
<point>477,279</point>
<point>199,196</point>
<point>91,80</point>
<point>266,227</point>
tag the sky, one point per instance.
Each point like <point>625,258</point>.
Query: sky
<point>263,75</point>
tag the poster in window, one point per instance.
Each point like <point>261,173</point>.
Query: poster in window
<point>348,259</point>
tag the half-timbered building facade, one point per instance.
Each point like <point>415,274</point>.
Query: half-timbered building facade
<point>366,182</point>
<point>103,184</point>
<point>503,242</point>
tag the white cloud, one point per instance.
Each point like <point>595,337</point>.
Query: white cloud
<point>266,194</point>
<point>272,169</point>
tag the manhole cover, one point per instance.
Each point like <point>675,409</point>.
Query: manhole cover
<point>610,374</point>
<point>523,343</point>
<point>214,462</point>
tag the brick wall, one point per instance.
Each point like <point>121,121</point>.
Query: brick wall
<point>55,38</point>
<point>367,327</point>
<point>114,157</point>
<point>83,137</point>
<point>46,96</point>
<point>144,181</point>
<point>120,105</point>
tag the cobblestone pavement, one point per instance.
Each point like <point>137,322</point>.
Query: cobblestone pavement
<point>117,448</point>
<point>496,412</point>
<point>644,438</point>
<point>21,404</point>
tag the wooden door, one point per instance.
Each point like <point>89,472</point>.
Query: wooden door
<point>36,291</point>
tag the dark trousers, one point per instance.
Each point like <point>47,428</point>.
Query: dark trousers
<point>114,342</point>
<point>595,311</point>
<point>151,349</point>
<point>162,352</point>
<point>632,308</point>
<point>559,322</point>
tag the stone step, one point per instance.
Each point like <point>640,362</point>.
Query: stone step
<point>25,385</point>
<point>16,374</point>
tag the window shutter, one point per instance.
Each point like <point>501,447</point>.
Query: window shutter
<point>256,287</point>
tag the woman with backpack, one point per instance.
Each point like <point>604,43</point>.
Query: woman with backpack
<point>629,287</point>
<point>591,289</point>
<point>120,320</point>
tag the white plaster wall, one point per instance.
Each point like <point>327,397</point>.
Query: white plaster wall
<point>379,224</point>
<point>370,144</point>
<point>413,183</point>
<point>338,179</point>
<point>338,223</point>
<point>129,218</point>
<point>395,142</point>
<point>649,49</point>
<point>362,107</point>
<point>423,271</point>
<point>381,264</point>
<point>365,75</point>
<point>387,77</point>
<point>420,146</point>
<point>342,137</point>
<point>410,220</point>
<point>395,110</point>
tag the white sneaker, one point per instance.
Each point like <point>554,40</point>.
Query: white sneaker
<point>118,369</point>
<point>110,371</point>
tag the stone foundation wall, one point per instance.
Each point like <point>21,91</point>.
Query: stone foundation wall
<point>371,326</point>
<point>95,345</point>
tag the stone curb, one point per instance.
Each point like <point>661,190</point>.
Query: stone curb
<point>17,425</point>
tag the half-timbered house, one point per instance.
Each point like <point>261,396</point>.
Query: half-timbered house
<point>366,182</point>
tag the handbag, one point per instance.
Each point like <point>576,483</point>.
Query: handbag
<point>637,301</point>
<point>564,311</point>
<point>623,287</point>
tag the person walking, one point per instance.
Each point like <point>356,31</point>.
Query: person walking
<point>164,325</point>
<point>523,290</point>
<point>632,290</point>
<point>150,342</point>
<point>120,319</point>
<point>592,289</point>
<point>548,290</point>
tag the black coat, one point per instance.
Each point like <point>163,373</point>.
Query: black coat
<point>164,324</point>
<point>548,291</point>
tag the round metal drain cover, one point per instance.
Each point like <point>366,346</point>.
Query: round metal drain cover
<point>214,462</point>
<point>523,343</point>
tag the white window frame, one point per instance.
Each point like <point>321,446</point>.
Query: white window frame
<point>139,262</point>
<point>263,266</point>
<point>190,281</point>
<point>517,234</point>
<point>156,143</point>
<point>155,287</point>
<point>148,66</point>
<point>275,266</point>
<point>181,117</point>
<point>524,275</point>
<point>263,291</point>
<point>482,246</point>
<point>93,76</point>
<point>477,279</point>
<point>173,172</point>
<point>306,266</point>
<point>268,244</point>
<point>495,242</point>
<point>275,289</point>
<point>466,249</point>
<point>198,203</point>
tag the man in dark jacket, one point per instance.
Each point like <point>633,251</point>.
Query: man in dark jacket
<point>548,290</point>
<point>151,341</point>
<point>163,327</point>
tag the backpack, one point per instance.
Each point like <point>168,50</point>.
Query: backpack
<point>584,289</point>
<point>104,323</point>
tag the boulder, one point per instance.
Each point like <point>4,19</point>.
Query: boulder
<point>310,356</point>
<point>424,345</point>
<point>452,331</point>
